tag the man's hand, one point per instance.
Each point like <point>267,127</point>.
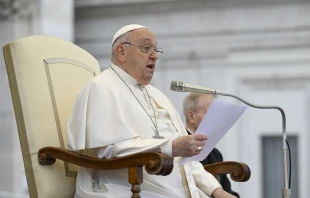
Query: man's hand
<point>187,146</point>
<point>220,193</point>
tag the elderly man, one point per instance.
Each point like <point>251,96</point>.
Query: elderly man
<point>195,106</point>
<point>118,113</point>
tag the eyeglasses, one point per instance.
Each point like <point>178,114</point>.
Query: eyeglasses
<point>148,49</point>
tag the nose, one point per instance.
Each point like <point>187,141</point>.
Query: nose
<point>154,55</point>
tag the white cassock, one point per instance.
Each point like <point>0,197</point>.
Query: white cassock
<point>108,119</point>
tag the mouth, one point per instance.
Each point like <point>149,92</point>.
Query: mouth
<point>151,66</point>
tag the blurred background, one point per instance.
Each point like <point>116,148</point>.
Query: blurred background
<point>256,49</point>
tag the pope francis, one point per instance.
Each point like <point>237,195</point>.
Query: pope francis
<point>118,113</point>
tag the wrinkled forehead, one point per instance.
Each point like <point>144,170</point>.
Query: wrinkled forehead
<point>143,35</point>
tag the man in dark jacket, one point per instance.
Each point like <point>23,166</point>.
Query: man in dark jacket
<point>195,107</point>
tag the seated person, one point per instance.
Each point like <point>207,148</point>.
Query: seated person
<point>195,106</point>
<point>119,113</point>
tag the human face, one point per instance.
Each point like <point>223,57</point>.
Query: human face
<point>139,65</point>
<point>202,106</point>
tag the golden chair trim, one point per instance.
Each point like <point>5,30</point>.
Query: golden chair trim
<point>47,63</point>
<point>20,120</point>
<point>69,61</point>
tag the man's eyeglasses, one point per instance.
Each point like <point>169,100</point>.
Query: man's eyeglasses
<point>148,49</point>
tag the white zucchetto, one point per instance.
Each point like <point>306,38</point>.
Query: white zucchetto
<point>126,29</point>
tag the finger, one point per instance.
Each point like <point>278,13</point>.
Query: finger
<point>200,143</point>
<point>194,152</point>
<point>200,137</point>
<point>198,150</point>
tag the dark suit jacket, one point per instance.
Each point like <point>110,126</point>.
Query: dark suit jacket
<point>213,157</point>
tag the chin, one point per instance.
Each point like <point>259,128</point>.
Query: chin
<point>145,81</point>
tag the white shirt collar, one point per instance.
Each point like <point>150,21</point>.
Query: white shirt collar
<point>124,75</point>
<point>191,132</point>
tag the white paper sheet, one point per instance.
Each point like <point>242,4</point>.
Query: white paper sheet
<point>220,117</point>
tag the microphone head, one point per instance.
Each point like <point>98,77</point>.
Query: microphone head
<point>176,85</point>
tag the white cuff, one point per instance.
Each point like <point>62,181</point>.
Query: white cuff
<point>167,148</point>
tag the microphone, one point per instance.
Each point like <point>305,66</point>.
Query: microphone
<point>180,86</point>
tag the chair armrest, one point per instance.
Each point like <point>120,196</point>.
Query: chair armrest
<point>155,163</point>
<point>238,171</point>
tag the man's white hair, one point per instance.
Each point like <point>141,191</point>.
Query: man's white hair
<point>123,38</point>
<point>190,102</point>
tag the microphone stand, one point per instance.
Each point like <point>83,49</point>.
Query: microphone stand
<point>286,192</point>
<point>185,87</point>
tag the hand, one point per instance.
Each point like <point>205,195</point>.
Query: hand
<point>187,146</point>
<point>220,193</point>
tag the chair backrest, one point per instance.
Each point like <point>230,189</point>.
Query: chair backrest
<point>45,74</point>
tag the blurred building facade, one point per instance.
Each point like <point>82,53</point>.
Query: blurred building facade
<point>257,49</point>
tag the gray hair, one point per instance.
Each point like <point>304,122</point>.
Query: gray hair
<point>190,102</point>
<point>123,38</point>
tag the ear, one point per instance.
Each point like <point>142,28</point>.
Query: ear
<point>190,116</point>
<point>120,53</point>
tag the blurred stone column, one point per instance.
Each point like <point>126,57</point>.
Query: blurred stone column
<point>54,18</point>
<point>14,23</point>
<point>20,18</point>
